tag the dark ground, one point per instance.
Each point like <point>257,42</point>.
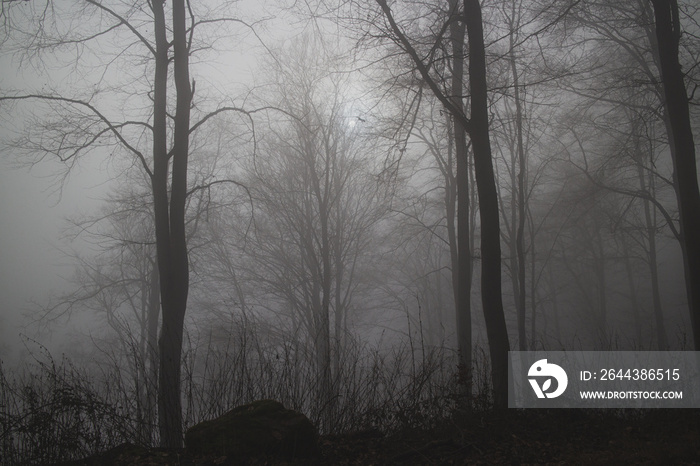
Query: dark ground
<point>654,437</point>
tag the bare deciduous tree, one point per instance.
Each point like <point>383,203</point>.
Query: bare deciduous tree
<point>477,126</point>
<point>317,204</point>
<point>160,35</point>
<point>668,34</point>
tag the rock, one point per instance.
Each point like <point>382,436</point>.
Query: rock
<point>261,427</point>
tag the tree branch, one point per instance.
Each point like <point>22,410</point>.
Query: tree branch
<point>422,68</point>
<point>126,23</point>
<point>113,128</point>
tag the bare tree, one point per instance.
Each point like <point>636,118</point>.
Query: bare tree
<point>640,81</point>
<point>435,130</point>
<point>668,34</point>
<point>120,286</point>
<point>317,203</point>
<point>511,138</point>
<point>86,122</point>
<point>477,126</point>
<point>462,279</point>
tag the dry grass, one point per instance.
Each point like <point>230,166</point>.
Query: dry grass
<point>52,411</point>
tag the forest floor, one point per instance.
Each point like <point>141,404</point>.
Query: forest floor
<point>654,437</point>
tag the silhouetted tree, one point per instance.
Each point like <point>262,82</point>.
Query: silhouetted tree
<point>477,126</point>
<point>317,204</point>
<point>88,123</point>
<point>668,34</point>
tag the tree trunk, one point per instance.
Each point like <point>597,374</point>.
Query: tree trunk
<point>153,319</point>
<point>661,338</point>
<point>682,152</point>
<point>324,212</point>
<point>520,235</point>
<point>463,284</point>
<point>451,214</point>
<point>478,129</point>
<point>554,293</point>
<point>601,282</point>
<point>488,206</point>
<point>629,270</point>
<point>533,286</point>
<point>171,241</point>
<point>650,223</point>
<point>159,183</point>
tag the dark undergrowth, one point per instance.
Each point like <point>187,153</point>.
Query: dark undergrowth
<point>397,406</point>
<point>53,411</point>
<point>659,437</point>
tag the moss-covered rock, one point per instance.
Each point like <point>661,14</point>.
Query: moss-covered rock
<point>261,427</point>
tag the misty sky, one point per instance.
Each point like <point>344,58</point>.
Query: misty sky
<point>32,221</point>
<point>32,213</point>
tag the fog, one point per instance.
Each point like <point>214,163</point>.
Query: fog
<point>33,261</point>
<point>325,203</point>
